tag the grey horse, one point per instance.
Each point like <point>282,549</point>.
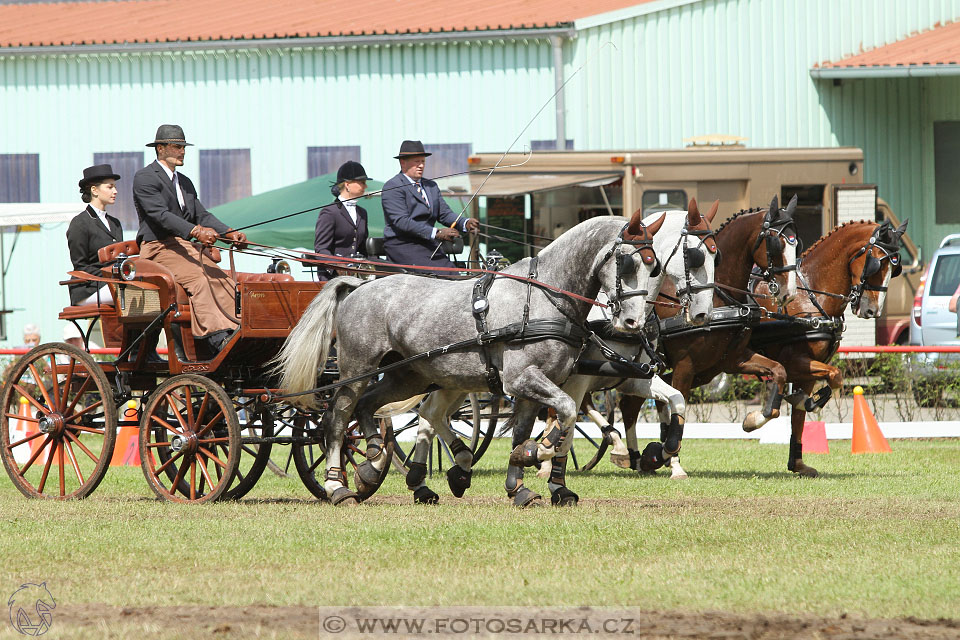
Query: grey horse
<point>383,321</point>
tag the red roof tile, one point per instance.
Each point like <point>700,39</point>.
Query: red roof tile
<point>182,20</point>
<point>940,45</point>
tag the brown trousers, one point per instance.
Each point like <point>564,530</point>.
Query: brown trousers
<point>210,289</point>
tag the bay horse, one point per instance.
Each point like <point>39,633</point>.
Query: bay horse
<point>537,304</point>
<point>853,264</point>
<point>767,239</point>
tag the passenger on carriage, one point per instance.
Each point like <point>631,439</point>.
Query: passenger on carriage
<point>92,229</point>
<point>171,214</point>
<point>342,225</point>
<point>412,205</point>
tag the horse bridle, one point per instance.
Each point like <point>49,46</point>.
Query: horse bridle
<point>694,256</point>
<point>644,247</point>
<point>771,235</point>
<point>873,264</point>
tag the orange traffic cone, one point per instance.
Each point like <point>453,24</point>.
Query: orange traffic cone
<point>126,451</point>
<point>20,429</point>
<point>867,437</point>
<point>814,437</point>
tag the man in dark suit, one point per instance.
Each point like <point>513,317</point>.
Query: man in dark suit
<point>412,205</point>
<point>171,215</point>
<point>342,226</point>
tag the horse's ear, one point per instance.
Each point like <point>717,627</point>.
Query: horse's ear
<point>636,223</point>
<point>693,218</point>
<point>692,208</point>
<point>652,228</point>
<point>774,208</point>
<point>792,206</point>
<point>714,208</point>
<point>902,228</point>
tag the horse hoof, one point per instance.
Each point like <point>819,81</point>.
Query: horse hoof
<point>753,421</point>
<point>525,455</point>
<point>620,460</point>
<point>424,495</point>
<point>368,479</point>
<point>563,497</point>
<point>652,457</point>
<point>527,498</point>
<point>458,479</point>
<point>804,471</point>
<point>679,475</point>
<point>345,498</point>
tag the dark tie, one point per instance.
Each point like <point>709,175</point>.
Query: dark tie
<point>421,193</point>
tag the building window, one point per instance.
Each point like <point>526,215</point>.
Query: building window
<point>447,159</point>
<point>224,176</point>
<point>324,160</point>
<point>125,164</point>
<point>946,150</point>
<point>20,177</point>
<point>659,200</point>
<point>549,145</point>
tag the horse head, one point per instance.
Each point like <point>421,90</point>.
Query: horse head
<point>688,242</point>
<point>872,267</point>
<point>775,251</point>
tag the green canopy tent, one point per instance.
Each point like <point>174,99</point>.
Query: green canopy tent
<point>298,231</point>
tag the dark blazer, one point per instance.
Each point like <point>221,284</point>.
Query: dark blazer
<point>409,222</point>
<point>159,210</point>
<point>336,235</point>
<point>85,236</point>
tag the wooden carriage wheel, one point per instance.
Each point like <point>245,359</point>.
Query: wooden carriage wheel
<point>480,414</point>
<point>310,459</point>
<point>59,423</point>
<point>255,422</point>
<point>189,440</point>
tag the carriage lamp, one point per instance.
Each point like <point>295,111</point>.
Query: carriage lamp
<point>124,268</point>
<point>278,266</point>
<point>496,261</point>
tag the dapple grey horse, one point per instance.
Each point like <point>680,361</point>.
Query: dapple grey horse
<point>386,320</point>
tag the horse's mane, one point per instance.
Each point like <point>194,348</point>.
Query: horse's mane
<point>832,232</point>
<point>737,215</point>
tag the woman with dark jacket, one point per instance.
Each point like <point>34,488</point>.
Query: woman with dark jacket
<point>92,229</point>
<point>342,226</point>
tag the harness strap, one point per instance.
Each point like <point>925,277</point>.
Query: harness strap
<point>480,306</point>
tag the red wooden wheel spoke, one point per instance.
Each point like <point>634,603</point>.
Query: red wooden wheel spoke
<point>214,440</point>
<point>206,475</point>
<point>188,403</point>
<point>210,424</point>
<point>85,429</point>
<point>83,448</point>
<point>30,398</point>
<point>210,455</point>
<point>166,425</point>
<point>203,407</point>
<point>56,382</point>
<point>176,412</point>
<point>166,464</point>
<point>82,390</point>
<point>193,479</point>
<point>46,467</point>
<point>36,454</point>
<point>63,489</point>
<point>17,416</point>
<point>41,386</point>
<point>176,481</point>
<point>73,461</point>
<point>153,445</point>
<point>98,403</point>
<point>27,439</point>
<point>67,383</point>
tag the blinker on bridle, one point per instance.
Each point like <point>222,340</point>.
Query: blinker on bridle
<point>873,264</point>
<point>770,235</point>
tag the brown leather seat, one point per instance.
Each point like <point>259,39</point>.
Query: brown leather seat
<point>264,277</point>
<point>111,251</point>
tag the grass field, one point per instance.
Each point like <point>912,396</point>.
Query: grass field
<point>876,536</point>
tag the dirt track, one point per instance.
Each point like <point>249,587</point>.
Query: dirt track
<point>305,622</point>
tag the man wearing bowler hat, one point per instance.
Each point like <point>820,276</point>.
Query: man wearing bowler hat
<point>411,207</point>
<point>171,215</point>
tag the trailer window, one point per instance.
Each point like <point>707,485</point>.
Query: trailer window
<point>657,200</point>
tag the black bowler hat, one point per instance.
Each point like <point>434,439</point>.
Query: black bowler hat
<point>351,170</point>
<point>411,148</point>
<point>97,172</point>
<point>170,134</point>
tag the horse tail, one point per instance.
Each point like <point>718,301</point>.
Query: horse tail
<point>305,350</point>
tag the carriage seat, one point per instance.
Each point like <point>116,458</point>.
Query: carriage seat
<point>264,277</point>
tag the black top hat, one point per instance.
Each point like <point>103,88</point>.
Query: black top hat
<point>170,134</point>
<point>411,148</point>
<point>97,172</point>
<point>351,170</point>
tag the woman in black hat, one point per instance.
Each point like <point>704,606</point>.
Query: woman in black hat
<point>342,226</point>
<point>91,230</point>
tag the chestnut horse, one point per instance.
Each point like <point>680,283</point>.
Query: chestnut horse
<point>851,264</point>
<point>766,238</point>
